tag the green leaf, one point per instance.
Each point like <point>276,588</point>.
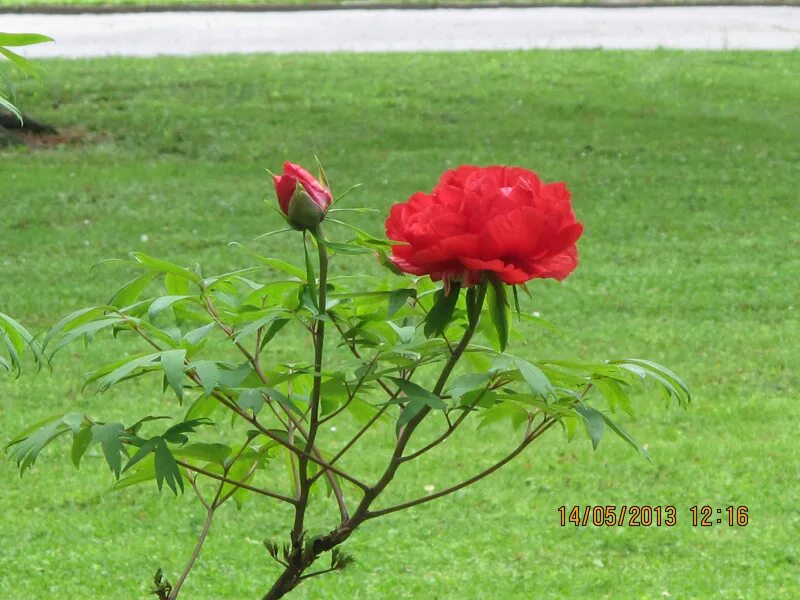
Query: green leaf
<point>23,39</point>
<point>615,394</point>
<point>145,471</point>
<point>144,450</point>
<point>616,428</point>
<point>22,63</point>
<point>177,433</point>
<point>398,299</point>
<point>441,314</point>
<point>282,265</point>
<point>418,393</point>
<point>130,292</point>
<point>273,331</point>
<point>178,286</point>
<point>537,381</point>
<point>505,411</point>
<point>254,326</point>
<point>347,248</point>
<point>72,320</point>
<point>127,370</point>
<point>17,339</point>
<point>172,362</point>
<point>26,450</point>
<point>80,444</point>
<point>516,300</point>
<point>466,383</point>
<point>213,453</point>
<point>498,309</point>
<point>164,266</point>
<point>209,374</point>
<point>664,373</point>
<point>88,330</point>
<point>204,407</point>
<point>404,333</point>
<point>108,436</point>
<point>411,410</point>
<point>195,336</point>
<point>594,421</point>
<point>163,303</point>
<point>167,469</point>
<point>9,106</point>
<point>311,278</point>
<point>251,399</point>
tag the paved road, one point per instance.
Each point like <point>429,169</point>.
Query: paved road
<point>187,33</point>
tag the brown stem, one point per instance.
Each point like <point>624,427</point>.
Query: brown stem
<point>195,553</point>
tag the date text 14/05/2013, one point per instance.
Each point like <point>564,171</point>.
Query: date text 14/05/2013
<point>651,516</point>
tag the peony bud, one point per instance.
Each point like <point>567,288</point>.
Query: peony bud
<point>302,198</point>
<point>303,212</point>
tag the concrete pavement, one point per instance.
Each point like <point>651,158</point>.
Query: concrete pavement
<point>192,33</point>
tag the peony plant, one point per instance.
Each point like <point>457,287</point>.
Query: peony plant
<point>412,356</point>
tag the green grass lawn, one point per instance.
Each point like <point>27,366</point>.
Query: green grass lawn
<point>683,167</point>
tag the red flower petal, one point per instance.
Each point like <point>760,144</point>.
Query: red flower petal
<point>497,219</point>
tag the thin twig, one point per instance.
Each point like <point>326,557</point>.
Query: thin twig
<point>195,553</point>
<point>238,484</point>
<point>527,440</point>
<point>450,429</point>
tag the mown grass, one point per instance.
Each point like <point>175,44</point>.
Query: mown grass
<point>683,167</point>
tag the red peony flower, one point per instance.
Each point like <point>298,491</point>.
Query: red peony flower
<point>499,220</point>
<point>304,205</point>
